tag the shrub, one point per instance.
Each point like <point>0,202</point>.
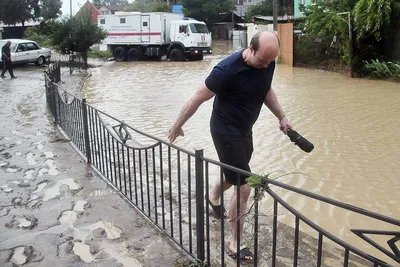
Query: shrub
<point>382,69</point>
<point>35,34</point>
<point>95,53</point>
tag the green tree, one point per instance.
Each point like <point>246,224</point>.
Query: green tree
<point>50,9</point>
<point>149,6</point>
<point>19,11</point>
<point>77,34</point>
<point>265,8</point>
<point>375,26</point>
<point>206,10</point>
<point>372,17</point>
<point>327,34</point>
<point>41,33</point>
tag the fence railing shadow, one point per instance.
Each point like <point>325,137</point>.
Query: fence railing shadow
<point>170,185</point>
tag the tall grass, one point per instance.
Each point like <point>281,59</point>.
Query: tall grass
<point>382,69</point>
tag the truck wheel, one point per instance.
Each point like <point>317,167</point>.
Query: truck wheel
<point>176,55</point>
<point>119,54</point>
<point>134,54</point>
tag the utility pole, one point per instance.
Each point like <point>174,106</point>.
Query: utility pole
<point>70,8</point>
<point>275,11</point>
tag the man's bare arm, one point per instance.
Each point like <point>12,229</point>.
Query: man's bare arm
<point>202,94</point>
<point>271,101</point>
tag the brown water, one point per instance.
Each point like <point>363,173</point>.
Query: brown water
<point>353,124</point>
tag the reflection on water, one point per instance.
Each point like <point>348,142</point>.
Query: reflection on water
<point>352,123</point>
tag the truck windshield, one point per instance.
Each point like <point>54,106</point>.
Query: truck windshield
<point>198,28</point>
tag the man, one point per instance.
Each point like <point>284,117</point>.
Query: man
<point>241,83</point>
<point>6,58</point>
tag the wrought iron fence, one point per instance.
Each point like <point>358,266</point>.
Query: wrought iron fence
<point>169,186</point>
<point>73,60</point>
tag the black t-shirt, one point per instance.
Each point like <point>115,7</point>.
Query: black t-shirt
<point>5,50</point>
<point>240,92</point>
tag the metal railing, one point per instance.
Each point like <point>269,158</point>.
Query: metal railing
<point>169,186</point>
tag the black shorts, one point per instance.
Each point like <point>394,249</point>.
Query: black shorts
<point>236,151</point>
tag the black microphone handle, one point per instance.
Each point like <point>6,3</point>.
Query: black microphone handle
<point>300,141</point>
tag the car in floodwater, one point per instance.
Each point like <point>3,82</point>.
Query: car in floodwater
<point>26,51</point>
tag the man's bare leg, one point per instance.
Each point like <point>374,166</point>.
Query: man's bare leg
<point>245,191</point>
<point>215,194</point>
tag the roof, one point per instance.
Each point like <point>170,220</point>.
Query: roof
<point>271,18</point>
<point>88,4</point>
<point>115,7</point>
<point>227,17</point>
<point>17,41</point>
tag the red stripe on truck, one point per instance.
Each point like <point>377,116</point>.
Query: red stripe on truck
<point>133,33</point>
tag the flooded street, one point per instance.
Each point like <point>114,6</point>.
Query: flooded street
<point>353,124</point>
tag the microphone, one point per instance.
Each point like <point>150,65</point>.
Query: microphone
<point>299,140</point>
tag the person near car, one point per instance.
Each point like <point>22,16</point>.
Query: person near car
<point>241,84</point>
<point>6,58</point>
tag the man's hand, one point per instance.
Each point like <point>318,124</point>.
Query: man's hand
<point>285,125</point>
<point>174,133</point>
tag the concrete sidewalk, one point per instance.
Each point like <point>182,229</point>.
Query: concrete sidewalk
<point>54,211</point>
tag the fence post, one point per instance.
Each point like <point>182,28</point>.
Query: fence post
<point>86,131</point>
<point>54,99</point>
<point>58,72</point>
<point>199,204</point>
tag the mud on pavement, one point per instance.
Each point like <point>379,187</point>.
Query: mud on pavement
<point>54,211</point>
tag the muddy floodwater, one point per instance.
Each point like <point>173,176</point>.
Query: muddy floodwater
<point>353,124</point>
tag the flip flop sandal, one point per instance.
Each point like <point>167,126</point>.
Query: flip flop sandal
<point>245,255</point>
<point>218,211</point>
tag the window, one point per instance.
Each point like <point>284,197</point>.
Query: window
<point>105,12</point>
<point>198,28</point>
<point>122,20</point>
<point>183,29</point>
<point>102,21</point>
<point>22,47</point>
<point>145,23</point>
<point>32,46</point>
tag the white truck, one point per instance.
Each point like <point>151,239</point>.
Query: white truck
<point>137,36</point>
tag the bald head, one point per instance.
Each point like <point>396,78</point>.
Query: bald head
<point>8,43</point>
<point>264,48</point>
<point>269,39</point>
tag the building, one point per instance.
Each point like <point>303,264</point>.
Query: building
<point>17,30</point>
<point>93,8</point>
<point>243,5</point>
<point>298,4</point>
<point>110,9</point>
